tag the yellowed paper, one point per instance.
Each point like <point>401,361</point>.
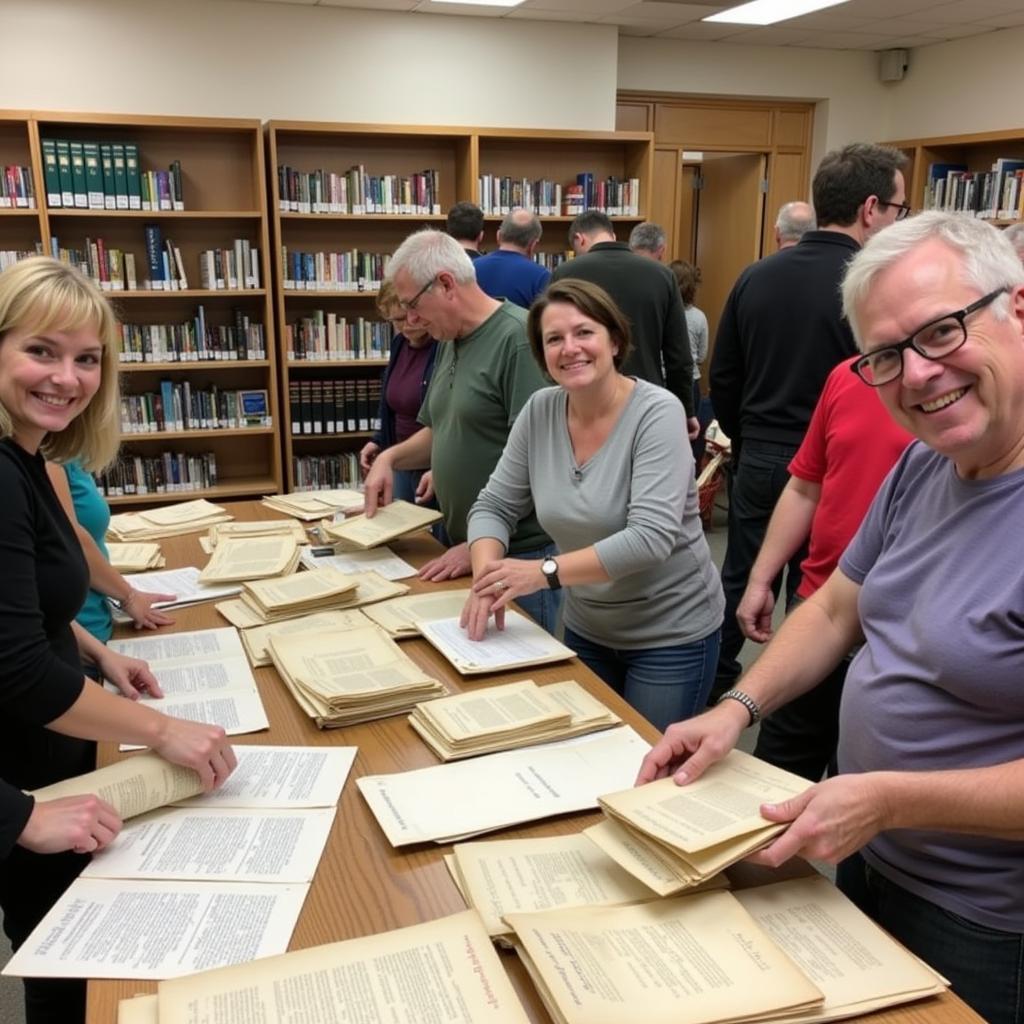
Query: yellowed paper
<point>399,616</point>
<point>182,512</point>
<point>135,557</point>
<point>251,558</point>
<point>390,522</point>
<point>255,640</point>
<point>139,1010</point>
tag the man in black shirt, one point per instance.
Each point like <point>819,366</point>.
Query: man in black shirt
<point>780,334</point>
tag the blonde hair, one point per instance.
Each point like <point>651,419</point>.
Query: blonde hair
<point>41,295</point>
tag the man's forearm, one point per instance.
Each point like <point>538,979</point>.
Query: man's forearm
<point>788,529</point>
<point>412,453</point>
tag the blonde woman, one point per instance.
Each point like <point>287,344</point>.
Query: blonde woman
<point>59,401</point>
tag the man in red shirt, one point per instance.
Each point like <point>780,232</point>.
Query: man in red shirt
<point>850,446</point>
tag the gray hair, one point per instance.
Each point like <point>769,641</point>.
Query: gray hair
<point>427,253</point>
<point>989,260</point>
<point>647,236</point>
<point>520,227</point>
<point>795,219</point>
<point>1014,234</point>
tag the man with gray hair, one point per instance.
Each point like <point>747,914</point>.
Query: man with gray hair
<point>510,272</point>
<point>926,814</point>
<point>483,374</point>
<point>795,219</point>
<point>649,240</point>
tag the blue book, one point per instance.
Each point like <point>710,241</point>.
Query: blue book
<point>154,256</point>
<point>586,182</point>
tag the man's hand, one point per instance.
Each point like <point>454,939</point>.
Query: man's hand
<point>84,824</point>
<point>688,748</point>
<point>830,820</point>
<point>451,565</point>
<point>425,488</point>
<point>367,454</point>
<point>377,489</point>
<point>754,613</point>
<point>132,676</point>
<point>692,428</point>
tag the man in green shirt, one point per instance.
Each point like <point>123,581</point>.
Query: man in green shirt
<point>483,375</point>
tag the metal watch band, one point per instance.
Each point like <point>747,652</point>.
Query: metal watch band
<point>753,708</point>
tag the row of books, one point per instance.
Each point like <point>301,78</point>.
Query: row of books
<point>357,192</point>
<point>185,406</point>
<point>995,194</point>
<point>168,473</point>
<point>107,176</point>
<point>17,190</point>
<point>609,195</point>
<point>323,407</point>
<point>112,269</point>
<point>325,472</point>
<point>350,271</point>
<point>497,194</point>
<point>327,336</point>
<point>8,257</point>
<point>551,259</point>
<point>193,341</point>
<point>234,269</point>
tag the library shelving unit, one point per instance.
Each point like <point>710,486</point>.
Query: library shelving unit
<point>978,152</point>
<point>21,228</point>
<point>224,199</point>
<point>459,156</point>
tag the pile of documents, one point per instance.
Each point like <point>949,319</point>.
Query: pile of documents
<point>400,617</point>
<point>184,584</point>
<point>135,557</point>
<point>508,716</point>
<point>672,837</point>
<point>389,523</point>
<point>340,679</point>
<point>251,558</point>
<point>264,528</point>
<point>312,505</point>
<point>382,561</point>
<point>255,640</point>
<point>169,521</point>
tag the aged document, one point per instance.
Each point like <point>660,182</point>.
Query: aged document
<point>400,615</point>
<point>139,1010</point>
<point>389,523</point>
<point>453,801</point>
<point>294,595</point>
<point>698,959</point>
<point>439,971</point>
<point>255,640</point>
<point>311,505</point>
<point>135,557</point>
<point>520,644</point>
<point>382,561</point>
<point>259,528</point>
<point>121,928</point>
<point>235,559</point>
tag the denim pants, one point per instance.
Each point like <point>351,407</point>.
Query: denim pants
<point>985,966</point>
<point>542,605</point>
<point>761,474</point>
<point>665,684</point>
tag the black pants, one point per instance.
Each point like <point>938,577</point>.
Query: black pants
<point>760,475</point>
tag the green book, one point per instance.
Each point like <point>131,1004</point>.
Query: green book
<point>51,173</point>
<point>107,166</point>
<point>81,192</point>
<point>93,175</point>
<point>131,166</point>
<point>67,185</point>
<point>120,175</point>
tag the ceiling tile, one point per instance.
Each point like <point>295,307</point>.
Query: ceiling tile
<point>884,8</point>
<point>655,13</point>
<point>465,10</point>
<point>844,40</point>
<point>703,31</point>
<point>1007,20</point>
<point>371,5</point>
<point>536,14</point>
<point>772,35</point>
<point>968,11</point>
<point>584,9</point>
<point>831,21</point>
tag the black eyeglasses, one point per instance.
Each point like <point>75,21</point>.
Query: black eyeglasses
<point>935,340</point>
<point>903,208</point>
<point>414,301</point>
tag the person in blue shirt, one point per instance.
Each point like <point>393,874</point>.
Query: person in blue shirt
<point>510,272</point>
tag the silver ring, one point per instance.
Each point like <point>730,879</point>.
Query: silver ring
<point>500,586</point>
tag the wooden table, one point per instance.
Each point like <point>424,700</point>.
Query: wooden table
<point>363,885</point>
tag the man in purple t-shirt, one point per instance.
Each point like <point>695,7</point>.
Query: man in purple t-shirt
<point>927,813</point>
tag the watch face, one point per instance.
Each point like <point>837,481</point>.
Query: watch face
<point>549,567</point>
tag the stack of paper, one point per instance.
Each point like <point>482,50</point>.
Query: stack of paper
<point>400,617</point>
<point>251,558</point>
<point>672,837</point>
<point>135,557</point>
<point>382,561</point>
<point>508,716</point>
<point>520,644</point>
<point>390,522</point>
<point>255,640</point>
<point>182,583</point>
<point>169,521</point>
<point>311,505</point>
<point>263,528</point>
<point>205,677</point>
<point>356,676</point>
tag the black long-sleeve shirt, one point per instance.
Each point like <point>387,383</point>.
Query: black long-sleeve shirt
<point>781,333</point>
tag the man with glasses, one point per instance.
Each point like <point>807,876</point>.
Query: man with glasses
<point>780,335</point>
<point>927,813</point>
<point>483,374</point>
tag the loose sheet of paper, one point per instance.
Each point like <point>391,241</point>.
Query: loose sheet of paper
<point>183,583</point>
<point>400,615</point>
<point>382,561</point>
<point>521,643</point>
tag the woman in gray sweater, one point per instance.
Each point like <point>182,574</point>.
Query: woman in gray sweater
<point>605,461</point>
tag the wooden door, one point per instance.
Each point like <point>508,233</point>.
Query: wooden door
<point>786,182</point>
<point>730,214</point>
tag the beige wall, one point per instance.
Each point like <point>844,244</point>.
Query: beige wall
<point>269,60</point>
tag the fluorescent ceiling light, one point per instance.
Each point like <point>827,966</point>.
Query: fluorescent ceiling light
<point>485,3</point>
<point>768,12</point>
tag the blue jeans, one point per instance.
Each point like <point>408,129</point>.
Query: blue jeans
<point>665,684</point>
<point>542,605</point>
<point>985,966</point>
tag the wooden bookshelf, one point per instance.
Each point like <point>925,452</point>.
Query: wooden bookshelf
<point>222,163</point>
<point>21,230</point>
<point>978,151</point>
<point>459,155</point>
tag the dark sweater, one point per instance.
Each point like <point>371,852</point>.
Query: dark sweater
<point>781,333</point>
<point>647,293</point>
<point>385,435</point>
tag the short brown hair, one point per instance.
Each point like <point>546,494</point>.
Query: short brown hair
<point>387,299</point>
<point>687,277</point>
<point>42,294</point>
<point>593,302</point>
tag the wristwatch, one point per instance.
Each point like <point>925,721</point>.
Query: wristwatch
<point>549,567</point>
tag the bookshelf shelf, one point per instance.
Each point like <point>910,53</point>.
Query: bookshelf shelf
<point>398,218</point>
<point>178,435</point>
<point>192,293</point>
<point>351,435</point>
<point>334,364</point>
<point>115,215</point>
<point>196,366</point>
<point>12,212</point>
<point>232,488</point>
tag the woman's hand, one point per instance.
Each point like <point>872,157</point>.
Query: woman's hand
<point>196,745</point>
<point>84,824</point>
<point>139,605</point>
<point>475,613</point>
<point>688,748</point>
<point>132,676</point>
<point>509,578</point>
